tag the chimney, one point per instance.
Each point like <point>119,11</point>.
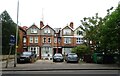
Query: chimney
<point>71,25</point>
<point>41,24</point>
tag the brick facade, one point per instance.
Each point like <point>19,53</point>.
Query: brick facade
<point>46,41</point>
<point>22,34</point>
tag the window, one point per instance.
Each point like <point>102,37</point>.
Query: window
<point>49,40</point>
<point>24,40</point>
<point>31,48</point>
<point>55,40</point>
<point>33,30</point>
<point>79,41</point>
<point>79,32</point>
<point>36,39</point>
<point>59,40</point>
<point>67,40</point>
<point>31,39</point>
<point>47,31</point>
<point>55,35</point>
<point>44,40</point>
<point>66,31</point>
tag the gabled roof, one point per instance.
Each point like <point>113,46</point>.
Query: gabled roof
<point>48,26</point>
<point>33,25</point>
<point>77,27</point>
<point>21,29</point>
<point>68,27</point>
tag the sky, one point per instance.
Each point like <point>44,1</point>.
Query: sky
<point>55,13</point>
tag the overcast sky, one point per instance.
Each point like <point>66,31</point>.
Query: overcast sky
<point>56,13</point>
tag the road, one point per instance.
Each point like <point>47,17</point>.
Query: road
<point>49,67</point>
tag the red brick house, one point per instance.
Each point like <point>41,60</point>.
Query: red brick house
<point>21,43</point>
<point>46,41</point>
<point>67,38</point>
<point>33,39</point>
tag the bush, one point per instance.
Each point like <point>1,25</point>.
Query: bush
<point>81,50</point>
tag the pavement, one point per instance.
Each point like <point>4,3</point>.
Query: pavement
<point>48,65</point>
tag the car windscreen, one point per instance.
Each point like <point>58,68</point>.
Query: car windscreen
<point>72,55</point>
<point>57,55</point>
<point>27,53</point>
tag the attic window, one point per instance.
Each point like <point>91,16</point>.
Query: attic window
<point>47,31</point>
<point>79,32</point>
<point>33,30</point>
<point>66,31</point>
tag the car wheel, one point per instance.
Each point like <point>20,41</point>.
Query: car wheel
<point>53,60</point>
<point>31,60</point>
<point>62,60</point>
<point>77,61</point>
<point>67,61</point>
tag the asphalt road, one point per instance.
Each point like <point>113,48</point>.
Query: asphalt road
<point>64,72</point>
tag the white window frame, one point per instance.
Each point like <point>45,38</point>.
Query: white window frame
<point>67,40</point>
<point>67,32</point>
<point>44,39</point>
<point>78,32</point>
<point>49,40</point>
<point>34,30</point>
<point>47,31</point>
<point>79,40</point>
<point>24,40</point>
<point>31,40</point>
<point>36,39</point>
<point>55,40</point>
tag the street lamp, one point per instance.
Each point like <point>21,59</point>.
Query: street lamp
<point>15,57</point>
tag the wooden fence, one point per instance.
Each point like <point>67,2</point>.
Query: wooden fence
<point>4,57</point>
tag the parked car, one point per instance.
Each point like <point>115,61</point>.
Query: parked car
<point>72,57</point>
<point>58,57</point>
<point>26,57</point>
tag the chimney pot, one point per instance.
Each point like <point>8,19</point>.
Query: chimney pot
<point>41,24</point>
<point>71,25</point>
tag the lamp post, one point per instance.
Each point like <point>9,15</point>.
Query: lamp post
<point>15,57</point>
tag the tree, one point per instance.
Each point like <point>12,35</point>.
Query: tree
<point>91,26</point>
<point>8,28</point>
<point>110,32</point>
<point>109,36</point>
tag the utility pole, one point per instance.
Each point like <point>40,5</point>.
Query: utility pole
<point>15,57</point>
<point>57,41</point>
<point>42,15</point>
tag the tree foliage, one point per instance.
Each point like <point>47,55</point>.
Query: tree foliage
<point>110,32</point>
<point>8,28</point>
<point>90,25</point>
<point>105,32</point>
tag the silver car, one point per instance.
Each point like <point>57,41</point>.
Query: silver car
<point>72,57</point>
<point>58,57</point>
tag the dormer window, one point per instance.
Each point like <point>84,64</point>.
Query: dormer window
<point>33,30</point>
